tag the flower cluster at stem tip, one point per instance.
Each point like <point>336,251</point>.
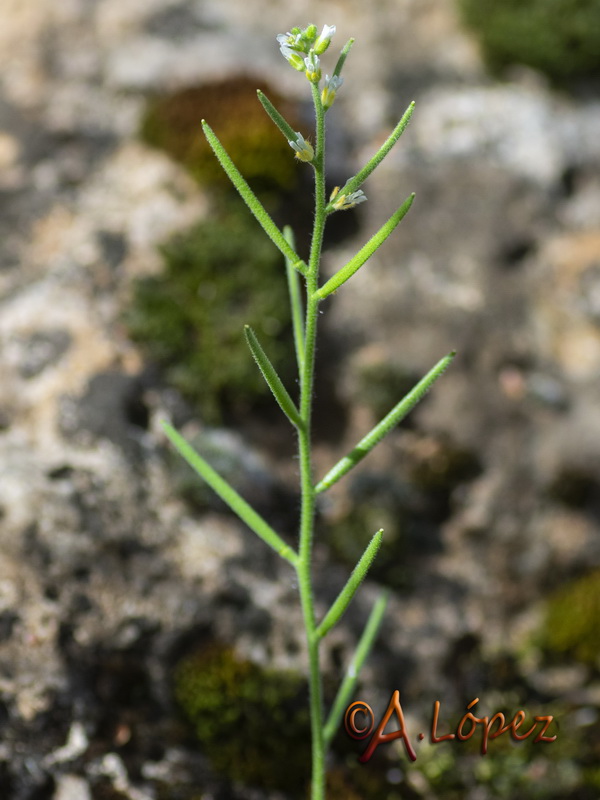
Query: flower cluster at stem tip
<point>302,48</point>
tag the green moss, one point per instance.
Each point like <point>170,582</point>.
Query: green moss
<point>542,771</point>
<point>231,107</point>
<point>592,777</point>
<point>220,275</point>
<point>572,624</point>
<point>252,723</point>
<point>561,38</point>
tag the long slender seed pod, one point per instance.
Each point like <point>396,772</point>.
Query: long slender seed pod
<point>358,575</point>
<point>360,656</point>
<point>354,183</point>
<point>228,494</point>
<point>251,200</point>
<point>343,56</point>
<point>281,122</point>
<point>273,380</point>
<point>365,252</point>
<point>382,428</point>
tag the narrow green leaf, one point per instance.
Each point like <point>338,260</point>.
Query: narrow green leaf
<point>365,252</point>
<point>348,685</point>
<point>397,413</point>
<point>354,183</point>
<point>272,378</point>
<point>251,200</point>
<point>358,575</point>
<point>295,302</point>
<point>245,512</point>
<point>343,56</point>
<point>284,126</point>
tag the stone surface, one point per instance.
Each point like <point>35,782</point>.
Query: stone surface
<point>106,573</point>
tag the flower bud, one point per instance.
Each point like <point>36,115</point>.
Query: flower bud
<point>341,202</point>
<point>310,34</point>
<point>293,58</point>
<point>324,39</point>
<point>331,86</point>
<point>304,150</point>
<point>313,67</point>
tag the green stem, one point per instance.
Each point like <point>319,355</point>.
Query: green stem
<point>295,302</point>
<point>304,448</point>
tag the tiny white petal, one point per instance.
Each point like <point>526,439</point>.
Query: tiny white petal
<point>304,150</point>
<point>312,63</point>
<point>342,202</point>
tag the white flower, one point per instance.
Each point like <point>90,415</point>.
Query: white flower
<point>295,60</point>
<point>313,67</point>
<point>304,150</point>
<point>324,39</point>
<point>293,40</point>
<point>331,86</point>
<point>341,202</point>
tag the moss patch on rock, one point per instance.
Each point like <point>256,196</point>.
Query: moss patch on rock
<point>572,624</point>
<point>231,107</point>
<point>560,38</point>
<point>221,274</point>
<point>252,723</point>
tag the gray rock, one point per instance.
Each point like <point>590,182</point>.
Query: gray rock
<point>42,349</point>
<point>106,574</point>
<point>72,787</point>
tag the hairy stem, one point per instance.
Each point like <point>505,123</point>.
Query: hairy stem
<point>303,566</point>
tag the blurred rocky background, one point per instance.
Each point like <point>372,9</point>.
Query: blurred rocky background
<point>150,647</point>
